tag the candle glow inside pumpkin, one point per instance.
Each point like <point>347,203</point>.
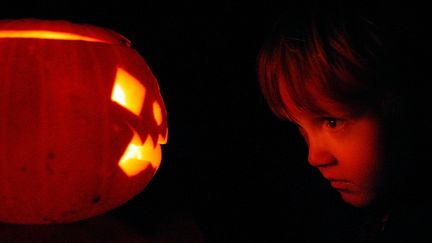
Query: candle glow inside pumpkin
<point>130,93</point>
<point>44,34</point>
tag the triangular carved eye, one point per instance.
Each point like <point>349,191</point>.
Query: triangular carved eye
<point>128,92</point>
<point>157,113</point>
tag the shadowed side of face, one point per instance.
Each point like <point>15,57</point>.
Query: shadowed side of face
<point>329,74</point>
<point>345,146</point>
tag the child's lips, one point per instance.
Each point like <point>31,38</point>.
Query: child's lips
<point>343,185</point>
<point>340,184</point>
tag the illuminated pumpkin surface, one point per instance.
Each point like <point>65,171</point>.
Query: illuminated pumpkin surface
<point>81,121</point>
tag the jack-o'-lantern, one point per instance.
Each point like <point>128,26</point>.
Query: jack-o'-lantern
<point>81,121</point>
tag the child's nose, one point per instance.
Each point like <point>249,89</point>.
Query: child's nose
<point>319,154</point>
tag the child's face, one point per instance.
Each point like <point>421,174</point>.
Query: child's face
<point>346,148</point>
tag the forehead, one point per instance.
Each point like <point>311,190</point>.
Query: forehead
<point>314,103</point>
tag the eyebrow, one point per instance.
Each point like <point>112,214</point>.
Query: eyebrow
<point>317,111</point>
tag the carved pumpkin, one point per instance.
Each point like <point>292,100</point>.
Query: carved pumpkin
<point>81,121</point>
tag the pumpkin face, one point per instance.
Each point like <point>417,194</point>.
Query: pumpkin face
<point>81,121</point>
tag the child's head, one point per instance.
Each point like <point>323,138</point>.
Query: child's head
<point>336,74</point>
<point>325,54</point>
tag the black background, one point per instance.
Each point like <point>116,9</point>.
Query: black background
<point>231,172</point>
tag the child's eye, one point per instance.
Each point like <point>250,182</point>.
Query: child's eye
<point>333,123</point>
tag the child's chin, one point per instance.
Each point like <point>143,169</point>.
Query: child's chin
<point>357,200</point>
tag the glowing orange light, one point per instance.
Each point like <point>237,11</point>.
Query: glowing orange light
<point>163,140</point>
<point>128,92</point>
<point>157,113</point>
<point>45,34</point>
<point>138,156</point>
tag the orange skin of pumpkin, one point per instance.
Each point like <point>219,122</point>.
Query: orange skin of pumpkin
<point>61,135</point>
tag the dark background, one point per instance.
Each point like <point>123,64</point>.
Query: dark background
<point>231,172</point>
